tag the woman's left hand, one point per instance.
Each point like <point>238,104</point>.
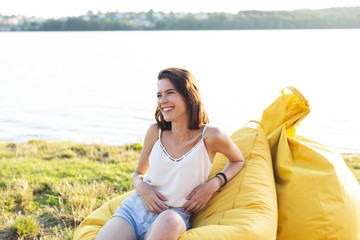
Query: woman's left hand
<point>199,197</point>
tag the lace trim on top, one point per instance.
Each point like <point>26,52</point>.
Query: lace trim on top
<point>183,156</point>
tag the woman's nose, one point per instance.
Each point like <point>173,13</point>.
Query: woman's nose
<point>162,99</point>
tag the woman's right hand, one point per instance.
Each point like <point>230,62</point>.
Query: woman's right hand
<point>152,199</point>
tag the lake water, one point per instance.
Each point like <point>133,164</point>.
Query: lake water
<point>100,87</point>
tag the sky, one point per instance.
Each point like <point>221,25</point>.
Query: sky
<point>63,8</point>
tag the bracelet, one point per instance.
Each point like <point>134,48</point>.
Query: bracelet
<point>219,189</point>
<point>220,181</point>
<point>225,178</point>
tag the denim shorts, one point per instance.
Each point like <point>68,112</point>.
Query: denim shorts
<point>134,211</point>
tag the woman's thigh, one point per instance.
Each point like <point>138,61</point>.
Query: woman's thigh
<point>116,228</point>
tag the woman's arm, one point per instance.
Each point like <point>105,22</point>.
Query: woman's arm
<point>216,141</point>
<point>151,198</point>
<point>222,143</point>
<point>143,164</point>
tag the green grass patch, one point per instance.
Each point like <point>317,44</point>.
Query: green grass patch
<point>24,227</point>
<point>48,188</point>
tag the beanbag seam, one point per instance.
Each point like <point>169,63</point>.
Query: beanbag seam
<point>321,207</point>
<point>245,169</point>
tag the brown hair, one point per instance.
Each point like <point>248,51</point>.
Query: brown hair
<point>185,84</point>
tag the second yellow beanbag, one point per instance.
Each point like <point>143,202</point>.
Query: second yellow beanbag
<point>318,196</point>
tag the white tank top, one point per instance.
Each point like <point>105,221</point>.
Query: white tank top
<point>175,178</point>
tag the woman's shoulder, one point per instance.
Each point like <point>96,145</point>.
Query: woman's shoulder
<point>153,128</point>
<point>152,133</point>
<point>213,134</point>
<point>217,140</point>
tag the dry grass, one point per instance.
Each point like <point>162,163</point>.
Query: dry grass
<point>47,189</point>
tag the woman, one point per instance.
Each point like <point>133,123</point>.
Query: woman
<point>171,177</point>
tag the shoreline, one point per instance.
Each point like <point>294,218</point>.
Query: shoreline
<point>2,141</point>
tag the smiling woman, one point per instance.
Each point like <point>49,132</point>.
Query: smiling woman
<point>170,102</point>
<point>171,179</point>
<point>173,88</point>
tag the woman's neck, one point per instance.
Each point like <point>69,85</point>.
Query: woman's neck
<point>180,130</point>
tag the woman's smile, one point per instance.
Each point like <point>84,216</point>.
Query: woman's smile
<point>167,109</point>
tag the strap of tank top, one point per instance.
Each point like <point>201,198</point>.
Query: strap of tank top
<point>159,133</point>
<point>202,133</point>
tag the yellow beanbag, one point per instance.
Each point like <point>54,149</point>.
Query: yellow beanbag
<point>318,196</point>
<point>246,208</point>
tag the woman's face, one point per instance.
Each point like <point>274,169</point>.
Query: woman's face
<point>170,102</point>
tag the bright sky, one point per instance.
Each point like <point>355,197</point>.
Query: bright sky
<point>63,8</point>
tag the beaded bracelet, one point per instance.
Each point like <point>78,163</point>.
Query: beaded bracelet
<point>225,178</point>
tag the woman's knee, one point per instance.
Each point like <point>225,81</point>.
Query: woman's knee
<point>171,220</point>
<point>168,225</point>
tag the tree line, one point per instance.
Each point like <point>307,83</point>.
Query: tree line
<point>297,19</point>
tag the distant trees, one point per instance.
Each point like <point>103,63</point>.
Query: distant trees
<point>298,19</point>
<point>53,25</point>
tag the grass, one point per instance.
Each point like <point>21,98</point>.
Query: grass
<point>48,188</point>
<point>24,227</point>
